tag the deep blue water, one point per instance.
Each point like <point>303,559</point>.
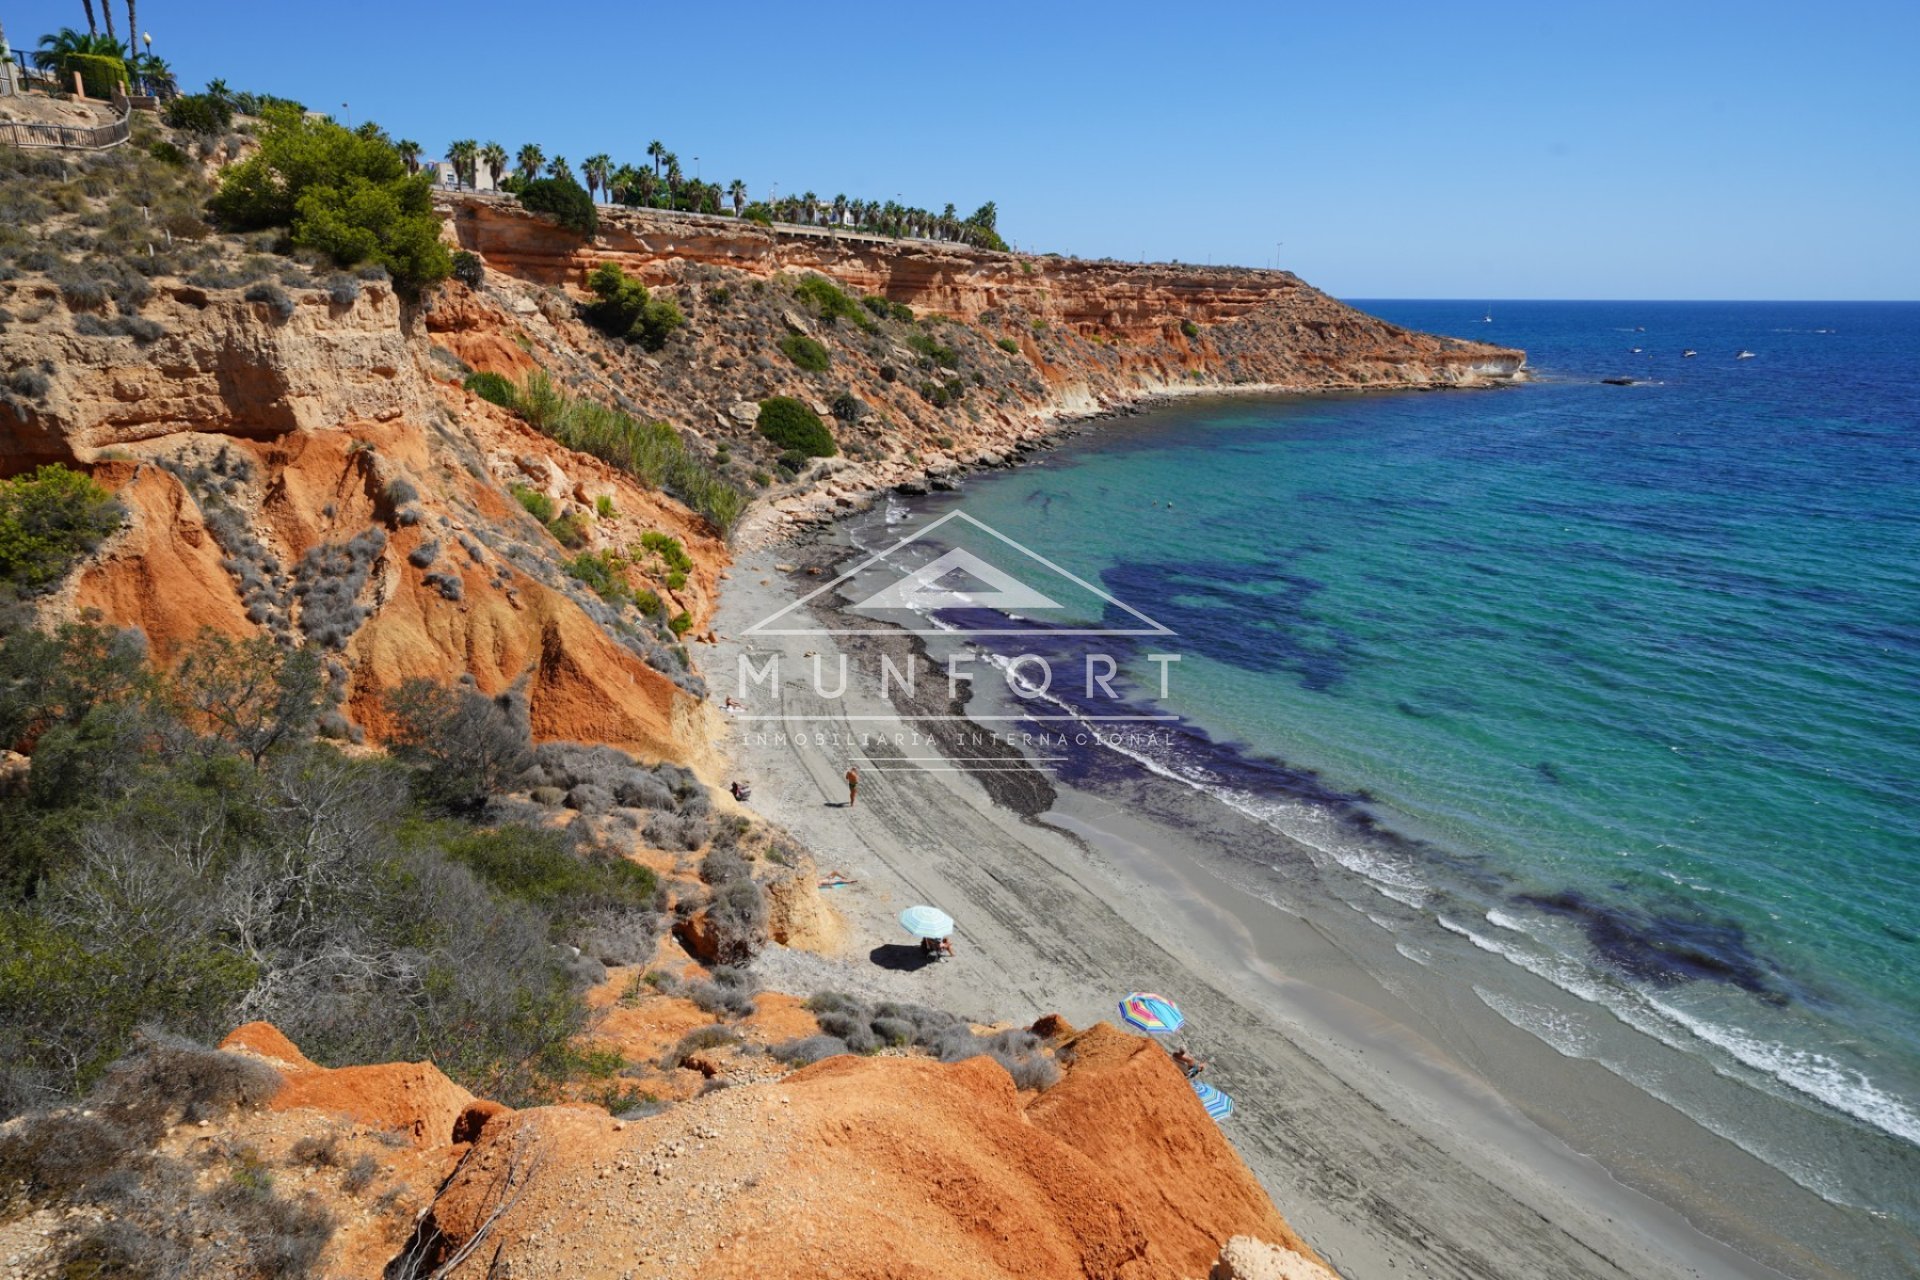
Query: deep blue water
<point>1634,670</point>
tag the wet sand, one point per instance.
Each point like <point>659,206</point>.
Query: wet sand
<point>1389,1152</point>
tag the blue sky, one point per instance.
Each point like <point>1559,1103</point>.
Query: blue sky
<point>1751,150</point>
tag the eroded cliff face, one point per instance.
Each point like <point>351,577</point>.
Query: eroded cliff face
<point>254,449</point>
<point>1266,326</point>
<point>994,351</point>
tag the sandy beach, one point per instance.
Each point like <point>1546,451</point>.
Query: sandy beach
<point>1388,1152</point>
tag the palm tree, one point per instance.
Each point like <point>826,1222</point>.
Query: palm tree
<point>106,8</point>
<point>93,28</point>
<point>66,43</point>
<point>530,159</point>
<point>218,89</point>
<point>133,28</point>
<point>409,152</point>
<point>494,156</point>
<point>809,206</point>
<point>463,155</point>
<point>737,192</point>
<point>596,168</point>
<point>674,179</point>
<point>559,170</point>
<point>647,186</point>
<point>657,152</point>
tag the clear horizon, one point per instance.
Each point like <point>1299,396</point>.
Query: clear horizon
<point>1727,153</point>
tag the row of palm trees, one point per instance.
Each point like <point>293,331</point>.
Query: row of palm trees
<point>662,184</point>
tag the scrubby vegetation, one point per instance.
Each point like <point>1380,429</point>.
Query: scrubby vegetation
<point>831,302</point>
<point>158,1215</point>
<point>188,854</point>
<point>347,194</point>
<point>565,201</point>
<point>851,1025</point>
<point>623,308</point>
<point>790,424</point>
<point>652,451</point>
<point>48,520</point>
<point>808,353</point>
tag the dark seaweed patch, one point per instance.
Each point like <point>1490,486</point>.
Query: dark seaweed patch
<point>1664,948</point>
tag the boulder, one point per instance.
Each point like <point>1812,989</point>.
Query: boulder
<point>1245,1258</point>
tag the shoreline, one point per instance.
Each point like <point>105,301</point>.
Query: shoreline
<point>810,511</point>
<point>1380,1146</point>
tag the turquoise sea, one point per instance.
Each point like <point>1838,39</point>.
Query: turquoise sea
<point>1618,686</point>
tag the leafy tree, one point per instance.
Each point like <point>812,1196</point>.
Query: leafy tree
<point>48,520</point>
<point>468,746</point>
<point>566,201</point>
<point>200,113</point>
<point>57,678</point>
<point>254,695</point>
<point>623,308</point>
<point>791,425</point>
<point>344,193</point>
<point>807,353</point>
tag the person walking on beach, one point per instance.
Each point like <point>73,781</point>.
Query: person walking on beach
<point>853,786</point>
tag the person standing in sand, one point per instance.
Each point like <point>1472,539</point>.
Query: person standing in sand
<point>853,786</point>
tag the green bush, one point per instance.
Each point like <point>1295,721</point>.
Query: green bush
<point>833,304</point>
<point>100,73</point>
<point>623,308</point>
<point>758,212</point>
<point>668,548</point>
<point>565,201</point>
<point>605,573</point>
<point>1189,328</point>
<point>468,269</point>
<point>536,867</point>
<point>342,193</point>
<point>48,520</point>
<point>681,623</point>
<point>934,350</point>
<point>570,531</point>
<point>808,353</point>
<point>492,388</point>
<point>537,504</point>
<point>1009,346</point>
<point>202,113</point>
<point>792,425</point>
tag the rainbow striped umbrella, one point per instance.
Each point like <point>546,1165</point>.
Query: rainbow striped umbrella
<point>1155,1015</point>
<point>1218,1104</point>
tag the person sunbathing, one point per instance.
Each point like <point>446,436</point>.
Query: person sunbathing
<point>1189,1064</point>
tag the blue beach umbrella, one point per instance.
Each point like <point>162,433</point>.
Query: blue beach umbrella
<point>1218,1104</point>
<point>926,922</point>
<point>1155,1015</point>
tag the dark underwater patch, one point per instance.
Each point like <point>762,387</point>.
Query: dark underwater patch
<point>1664,948</point>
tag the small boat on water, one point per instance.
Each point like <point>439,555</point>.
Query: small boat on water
<point>1689,353</point>
<point>1487,318</point>
<point>1744,355</point>
<point>1636,351</point>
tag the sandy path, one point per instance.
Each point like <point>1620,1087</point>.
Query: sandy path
<point>1381,1154</point>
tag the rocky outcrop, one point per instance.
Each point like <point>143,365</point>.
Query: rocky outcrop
<point>1269,326</point>
<point>1244,1258</point>
<point>220,364</point>
<point>871,1168</point>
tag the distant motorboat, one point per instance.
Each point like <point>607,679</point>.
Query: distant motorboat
<point>1689,353</point>
<point>1744,355</point>
<point>1635,351</point>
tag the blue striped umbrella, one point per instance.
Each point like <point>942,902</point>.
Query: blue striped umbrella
<point>1218,1104</point>
<point>1155,1015</point>
<point>926,922</point>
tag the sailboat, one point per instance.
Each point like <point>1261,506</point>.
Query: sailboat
<point>1488,318</point>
